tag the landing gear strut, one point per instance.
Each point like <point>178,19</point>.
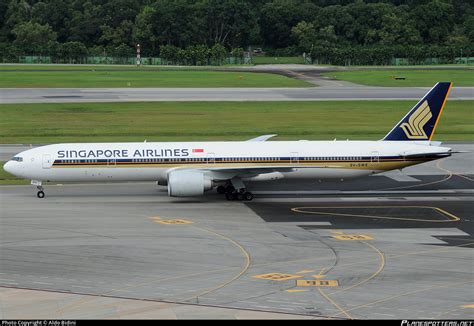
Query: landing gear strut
<point>236,191</point>
<point>40,188</point>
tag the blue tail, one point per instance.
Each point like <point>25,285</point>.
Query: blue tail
<point>420,123</point>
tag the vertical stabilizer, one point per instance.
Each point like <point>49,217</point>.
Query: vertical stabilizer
<point>420,123</point>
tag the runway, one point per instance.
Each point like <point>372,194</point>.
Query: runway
<point>340,93</point>
<point>382,247</point>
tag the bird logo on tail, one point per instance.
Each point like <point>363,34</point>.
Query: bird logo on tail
<point>414,128</point>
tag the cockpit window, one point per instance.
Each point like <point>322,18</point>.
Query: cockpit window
<point>17,158</point>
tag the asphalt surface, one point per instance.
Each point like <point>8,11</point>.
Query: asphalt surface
<point>358,249</point>
<point>71,95</point>
<point>393,246</point>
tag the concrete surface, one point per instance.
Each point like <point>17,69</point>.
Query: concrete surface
<point>84,249</point>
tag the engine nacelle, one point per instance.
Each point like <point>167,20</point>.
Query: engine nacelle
<point>187,183</point>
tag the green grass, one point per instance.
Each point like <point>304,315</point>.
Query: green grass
<point>189,121</point>
<point>128,77</point>
<point>413,77</point>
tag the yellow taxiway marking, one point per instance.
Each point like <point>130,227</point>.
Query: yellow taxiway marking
<point>320,274</point>
<point>468,306</point>
<point>371,277</point>
<point>155,218</point>
<point>307,210</point>
<point>389,298</point>
<point>296,291</point>
<point>277,276</point>
<point>244,269</point>
<point>334,303</point>
<point>438,166</point>
<point>361,237</point>
<point>305,271</point>
<point>317,283</point>
<point>175,221</point>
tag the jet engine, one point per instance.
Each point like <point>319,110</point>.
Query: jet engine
<point>187,183</point>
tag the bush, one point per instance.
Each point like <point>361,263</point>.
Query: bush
<point>169,53</point>
<point>218,54</point>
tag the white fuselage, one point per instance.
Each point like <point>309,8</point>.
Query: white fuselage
<point>86,162</point>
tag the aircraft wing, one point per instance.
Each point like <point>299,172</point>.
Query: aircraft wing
<point>248,172</point>
<point>262,138</point>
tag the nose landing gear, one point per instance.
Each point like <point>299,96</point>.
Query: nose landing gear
<point>38,184</point>
<point>40,193</point>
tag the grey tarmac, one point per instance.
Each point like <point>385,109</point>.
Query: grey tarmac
<point>341,93</point>
<point>129,251</point>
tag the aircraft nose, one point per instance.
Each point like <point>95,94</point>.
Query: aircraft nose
<point>9,167</point>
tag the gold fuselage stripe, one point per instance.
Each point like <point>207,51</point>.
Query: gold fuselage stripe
<point>359,165</point>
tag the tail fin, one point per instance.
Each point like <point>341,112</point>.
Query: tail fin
<point>420,123</point>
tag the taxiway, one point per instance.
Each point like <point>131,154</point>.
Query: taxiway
<point>370,248</point>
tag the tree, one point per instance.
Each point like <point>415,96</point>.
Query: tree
<point>72,52</point>
<point>169,53</point>
<point>123,51</point>
<point>332,28</point>
<point>84,23</point>
<point>434,21</point>
<point>18,11</point>
<point>218,54</point>
<point>304,34</point>
<point>469,28</point>
<point>201,54</point>
<point>119,35</point>
<point>32,37</point>
<point>278,17</point>
<point>238,54</point>
<point>143,31</point>
<point>173,22</point>
<point>229,22</point>
<point>10,53</point>
<point>55,13</point>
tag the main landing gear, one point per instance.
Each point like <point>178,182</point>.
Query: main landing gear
<point>231,193</point>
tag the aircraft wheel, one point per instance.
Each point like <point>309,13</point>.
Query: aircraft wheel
<point>40,194</point>
<point>221,190</point>
<point>248,196</point>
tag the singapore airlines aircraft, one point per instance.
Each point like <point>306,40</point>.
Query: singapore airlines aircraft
<point>191,168</point>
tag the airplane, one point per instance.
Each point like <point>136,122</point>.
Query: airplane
<point>192,168</point>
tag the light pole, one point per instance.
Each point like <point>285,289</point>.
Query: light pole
<point>138,55</point>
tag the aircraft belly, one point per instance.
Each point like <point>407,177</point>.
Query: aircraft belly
<point>326,173</point>
<point>104,174</point>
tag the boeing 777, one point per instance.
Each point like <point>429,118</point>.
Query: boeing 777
<point>191,168</point>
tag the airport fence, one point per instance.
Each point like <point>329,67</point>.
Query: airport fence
<point>155,61</point>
